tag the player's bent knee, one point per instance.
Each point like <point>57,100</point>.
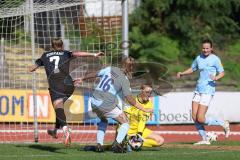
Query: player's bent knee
<point>201,119</point>
<point>160,141</point>
<point>58,103</point>
<point>157,138</point>
<point>122,118</point>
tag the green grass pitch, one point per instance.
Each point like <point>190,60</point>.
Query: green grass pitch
<point>224,150</point>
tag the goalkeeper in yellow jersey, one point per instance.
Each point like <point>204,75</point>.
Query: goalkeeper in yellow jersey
<point>139,118</point>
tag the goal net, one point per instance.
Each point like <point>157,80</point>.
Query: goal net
<point>26,30</point>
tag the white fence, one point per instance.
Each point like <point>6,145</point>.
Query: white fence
<point>175,107</point>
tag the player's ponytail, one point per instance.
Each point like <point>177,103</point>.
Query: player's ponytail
<point>57,44</point>
<point>128,63</point>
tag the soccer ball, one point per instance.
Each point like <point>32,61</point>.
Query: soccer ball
<point>135,143</point>
<point>212,136</point>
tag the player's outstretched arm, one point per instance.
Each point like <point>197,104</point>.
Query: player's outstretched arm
<point>79,80</point>
<point>186,72</point>
<point>33,68</point>
<point>131,100</point>
<point>87,54</point>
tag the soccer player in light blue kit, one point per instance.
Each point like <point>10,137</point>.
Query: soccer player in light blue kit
<point>105,101</point>
<point>210,70</point>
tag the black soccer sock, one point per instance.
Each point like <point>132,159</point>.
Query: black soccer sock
<point>60,117</point>
<point>57,124</point>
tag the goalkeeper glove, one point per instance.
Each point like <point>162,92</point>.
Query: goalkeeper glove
<point>139,137</point>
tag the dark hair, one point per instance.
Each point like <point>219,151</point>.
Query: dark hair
<point>57,44</point>
<point>207,41</point>
<point>148,84</point>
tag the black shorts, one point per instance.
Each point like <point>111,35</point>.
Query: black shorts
<point>61,88</point>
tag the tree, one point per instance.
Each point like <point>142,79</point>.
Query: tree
<point>188,22</point>
<point>10,3</point>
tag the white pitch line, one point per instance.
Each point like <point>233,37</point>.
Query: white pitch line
<point>113,131</point>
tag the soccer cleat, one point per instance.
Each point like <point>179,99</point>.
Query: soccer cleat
<point>67,136</point>
<point>52,133</point>
<point>99,148</point>
<point>202,143</point>
<point>226,128</point>
<point>118,148</point>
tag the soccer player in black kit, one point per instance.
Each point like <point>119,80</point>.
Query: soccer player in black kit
<point>56,63</point>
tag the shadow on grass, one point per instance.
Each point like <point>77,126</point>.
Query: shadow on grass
<point>109,148</point>
<point>43,148</point>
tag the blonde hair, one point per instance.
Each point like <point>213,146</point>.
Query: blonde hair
<point>57,44</point>
<point>127,64</point>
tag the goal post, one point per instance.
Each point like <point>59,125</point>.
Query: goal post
<point>26,30</point>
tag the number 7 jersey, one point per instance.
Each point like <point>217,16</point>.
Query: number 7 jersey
<point>56,63</point>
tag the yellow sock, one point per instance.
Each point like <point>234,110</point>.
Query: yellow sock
<point>149,143</point>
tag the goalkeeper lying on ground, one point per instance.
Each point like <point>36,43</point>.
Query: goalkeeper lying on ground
<point>138,119</point>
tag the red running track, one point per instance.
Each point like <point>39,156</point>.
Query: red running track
<point>87,134</point>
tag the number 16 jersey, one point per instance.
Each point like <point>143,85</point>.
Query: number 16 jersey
<point>113,84</point>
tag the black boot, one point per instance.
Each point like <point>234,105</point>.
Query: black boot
<point>118,148</point>
<point>99,148</point>
<point>52,133</point>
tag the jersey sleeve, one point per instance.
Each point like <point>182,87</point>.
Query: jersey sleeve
<point>219,65</point>
<point>70,54</point>
<point>194,65</point>
<point>39,62</point>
